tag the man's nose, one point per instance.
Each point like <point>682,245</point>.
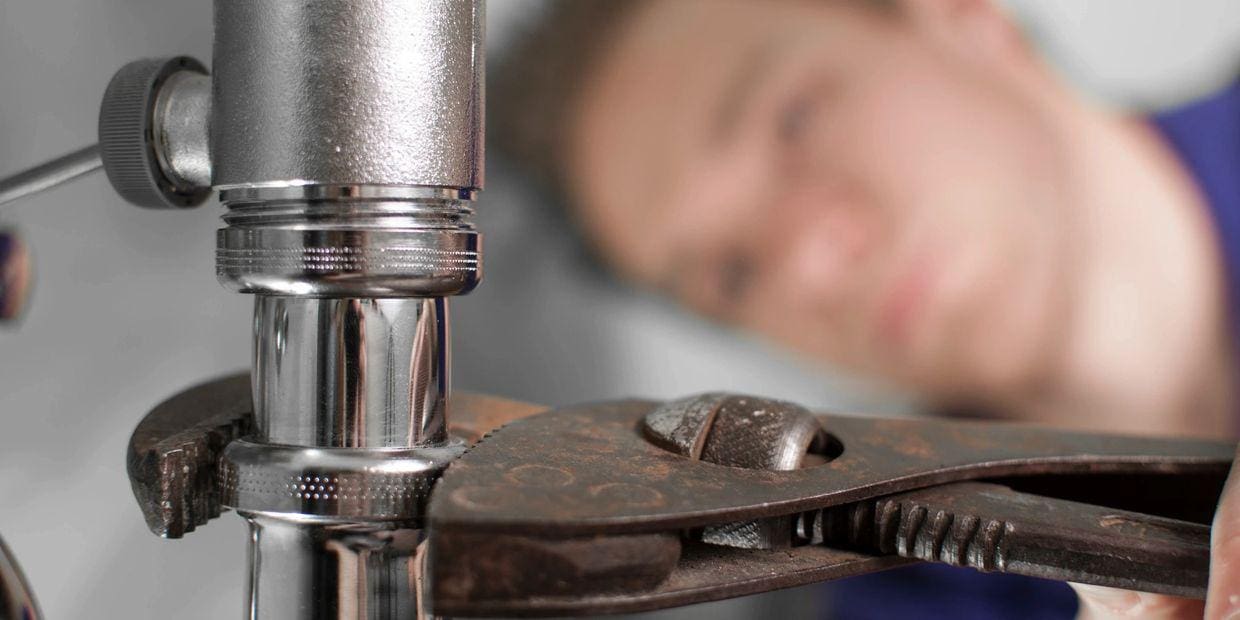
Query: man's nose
<point>825,251</point>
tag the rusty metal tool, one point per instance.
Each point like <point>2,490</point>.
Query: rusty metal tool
<point>174,453</point>
<point>635,505</point>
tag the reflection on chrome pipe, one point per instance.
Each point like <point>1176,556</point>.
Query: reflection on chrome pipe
<point>16,601</point>
<point>351,373</point>
<point>321,571</point>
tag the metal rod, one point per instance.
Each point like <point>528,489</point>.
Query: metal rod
<point>50,174</point>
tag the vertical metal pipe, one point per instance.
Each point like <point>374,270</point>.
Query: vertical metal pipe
<point>351,373</point>
<point>346,143</point>
<point>331,571</point>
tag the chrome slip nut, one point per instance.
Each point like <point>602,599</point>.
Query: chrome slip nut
<point>356,484</point>
<point>349,241</point>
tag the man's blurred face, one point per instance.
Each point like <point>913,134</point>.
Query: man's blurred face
<point>834,176</point>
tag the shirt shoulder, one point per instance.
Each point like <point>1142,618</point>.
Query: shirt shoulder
<point>1205,134</point>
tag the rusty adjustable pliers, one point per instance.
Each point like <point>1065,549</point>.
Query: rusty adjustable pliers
<point>636,505</point>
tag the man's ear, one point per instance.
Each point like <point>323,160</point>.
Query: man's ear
<point>979,28</point>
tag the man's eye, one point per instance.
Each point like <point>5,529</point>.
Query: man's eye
<point>798,116</point>
<point>736,276</point>
<point>794,120</point>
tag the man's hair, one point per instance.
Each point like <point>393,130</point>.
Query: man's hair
<point>534,88</point>
<point>537,83</point>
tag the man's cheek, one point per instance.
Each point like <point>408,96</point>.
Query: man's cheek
<point>817,331</point>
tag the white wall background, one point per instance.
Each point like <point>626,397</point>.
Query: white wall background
<point>127,311</point>
<point>1138,52</point>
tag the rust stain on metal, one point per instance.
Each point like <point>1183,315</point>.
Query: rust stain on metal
<point>703,573</point>
<point>473,415</point>
<point>539,475</point>
<point>173,455</point>
<point>484,497</point>
<point>697,493</point>
<point>627,494</point>
<point>623,487</point>
<point>174,452</point>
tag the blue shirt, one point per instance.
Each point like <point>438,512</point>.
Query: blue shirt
<point>1206,136</point>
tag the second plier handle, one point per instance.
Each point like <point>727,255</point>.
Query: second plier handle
<point>991,527</point>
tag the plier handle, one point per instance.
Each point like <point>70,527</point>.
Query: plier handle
<point>637,505</point>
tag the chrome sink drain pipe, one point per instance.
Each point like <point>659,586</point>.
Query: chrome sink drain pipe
<point>346,144</point>
<point>345,141</point>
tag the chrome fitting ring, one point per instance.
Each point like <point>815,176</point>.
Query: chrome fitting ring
<point>347,484</point>
<point>349,241</point>
<point>335,263</point>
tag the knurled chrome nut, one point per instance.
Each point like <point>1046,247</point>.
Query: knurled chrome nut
<point>349,241</point>
<point>349,263</point>
<point>345,484</point>
<point>128,135</point>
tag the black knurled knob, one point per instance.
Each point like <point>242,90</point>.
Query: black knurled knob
<point>127,135</point>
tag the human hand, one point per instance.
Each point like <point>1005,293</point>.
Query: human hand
<point>1223,599</point>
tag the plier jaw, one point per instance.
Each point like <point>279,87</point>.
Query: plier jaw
<point>613,508</point>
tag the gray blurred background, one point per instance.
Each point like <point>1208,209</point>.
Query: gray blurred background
<point>126,310</point>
